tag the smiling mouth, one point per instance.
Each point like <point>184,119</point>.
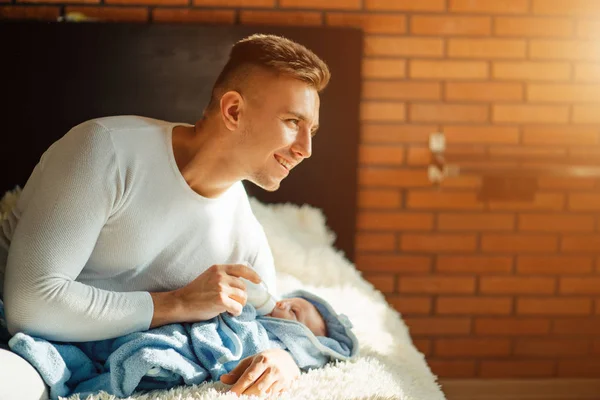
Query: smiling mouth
<point>284,162</point>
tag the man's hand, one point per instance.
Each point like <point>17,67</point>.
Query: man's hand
<point>271,371</point>
<point>216,290</point>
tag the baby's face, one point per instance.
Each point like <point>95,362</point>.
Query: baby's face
<point>297,309</point>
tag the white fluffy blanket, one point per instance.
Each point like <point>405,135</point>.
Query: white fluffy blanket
<point>389,366</point>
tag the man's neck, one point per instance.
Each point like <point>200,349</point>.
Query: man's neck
<point>203,157</point>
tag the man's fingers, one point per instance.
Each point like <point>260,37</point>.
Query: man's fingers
<point>250,375</point>
<point>243,271</point>
<point>238,295</point>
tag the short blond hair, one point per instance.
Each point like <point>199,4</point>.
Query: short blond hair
<point>273,53</point>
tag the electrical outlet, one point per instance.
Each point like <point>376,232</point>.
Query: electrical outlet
<point>437,142</point>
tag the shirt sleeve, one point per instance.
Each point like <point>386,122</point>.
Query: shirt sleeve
<point>76,189</point>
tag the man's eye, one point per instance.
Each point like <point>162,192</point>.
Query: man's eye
<point>293,121</point>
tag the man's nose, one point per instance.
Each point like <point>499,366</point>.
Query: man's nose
<point>302,147</point>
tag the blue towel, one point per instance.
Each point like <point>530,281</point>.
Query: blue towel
<point>182,354</point>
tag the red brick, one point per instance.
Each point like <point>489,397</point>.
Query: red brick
<point>473,305</point>
<point>531,71</point>
<point>527,152</point>
<point>121,14</point>
<point>563,93</point>
<point>382,199</point>
<point>560,7</point>
<point>490,7</point>
<point>436,284</point>
<point>393,263</point>
<point>385,283</point>
<point>587,72</point>
<point>190,15</point>
<point>471,347</point>
<point>438,242</point>
<point>541,201</point>
<point>554,265</point>
<point>332,4</point>
<point>512,326</point>
<point>442,25</point>
<point>474,264</point>
<point>487,48</point>
<point>554,306</point>
<point>388,177</point>
<point>409,305</point>
<point>528,113</point>
<point>418,155</point>
<point>403,46</point>
<point>383,68</point>
<point>516,285</point>
<point>430,69</point>
<point>390,133</point>
<point>581,243</point>
<point>57,1</point>
<point>533,27</point>
<point>452,368</point>
<point>577,326</point>
<point>588,28</point>
<point>560,136</point>
<point>375,241</point>
<point>47,13</point>
<point>438,326</point>
<point>394,221</point>
<point>440,112</point>
<point>254,17</point>
<point>578,368</point>
<point>556,223</point>
<point>579,285</point>
<point>517,369</point>
<point>401,90</point>
<point>151,2</point>
<point>481,134</point>
<point>584,202</point>
<point>585,114</point>
<point>563,50</point>
<point>517,243</point>
<point>369,154</point>
<point>488,91</point>
<point>369,23</point>
<point>424,346</point>
<point>406,5</point>
<point>476,222</point>
<point>443,200</point>
<point>566,183</point>
<point>461,182</point>
<point>382,111</point>
<point>551,347</point>
<point>234,3</point>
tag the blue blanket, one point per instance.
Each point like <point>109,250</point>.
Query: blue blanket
<point>181,354</point>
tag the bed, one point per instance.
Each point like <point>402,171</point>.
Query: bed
<point>67,73</point>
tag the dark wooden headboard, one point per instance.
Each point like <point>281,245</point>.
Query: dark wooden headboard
<point>57,75</point>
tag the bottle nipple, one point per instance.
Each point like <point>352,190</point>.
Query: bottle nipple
<point>258,295</point>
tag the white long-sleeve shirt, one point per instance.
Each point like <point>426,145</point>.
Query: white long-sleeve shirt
<point>105,218</point>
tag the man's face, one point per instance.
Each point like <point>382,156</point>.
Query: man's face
<point>281,116</point>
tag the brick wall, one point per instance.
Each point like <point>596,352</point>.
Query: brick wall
<point>489,289</point>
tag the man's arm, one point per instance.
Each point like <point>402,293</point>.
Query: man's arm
<point>75,191</point>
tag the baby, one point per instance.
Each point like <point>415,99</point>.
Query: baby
<point>301,310</point>
<point>301,323</point>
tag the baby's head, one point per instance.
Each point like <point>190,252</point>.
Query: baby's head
<point>303,311</point>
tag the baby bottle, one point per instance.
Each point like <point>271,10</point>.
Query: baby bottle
<point>259,296</point>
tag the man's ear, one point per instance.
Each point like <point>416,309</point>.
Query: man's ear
<point>231,108</point>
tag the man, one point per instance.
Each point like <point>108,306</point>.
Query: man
<point>129,223</point>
